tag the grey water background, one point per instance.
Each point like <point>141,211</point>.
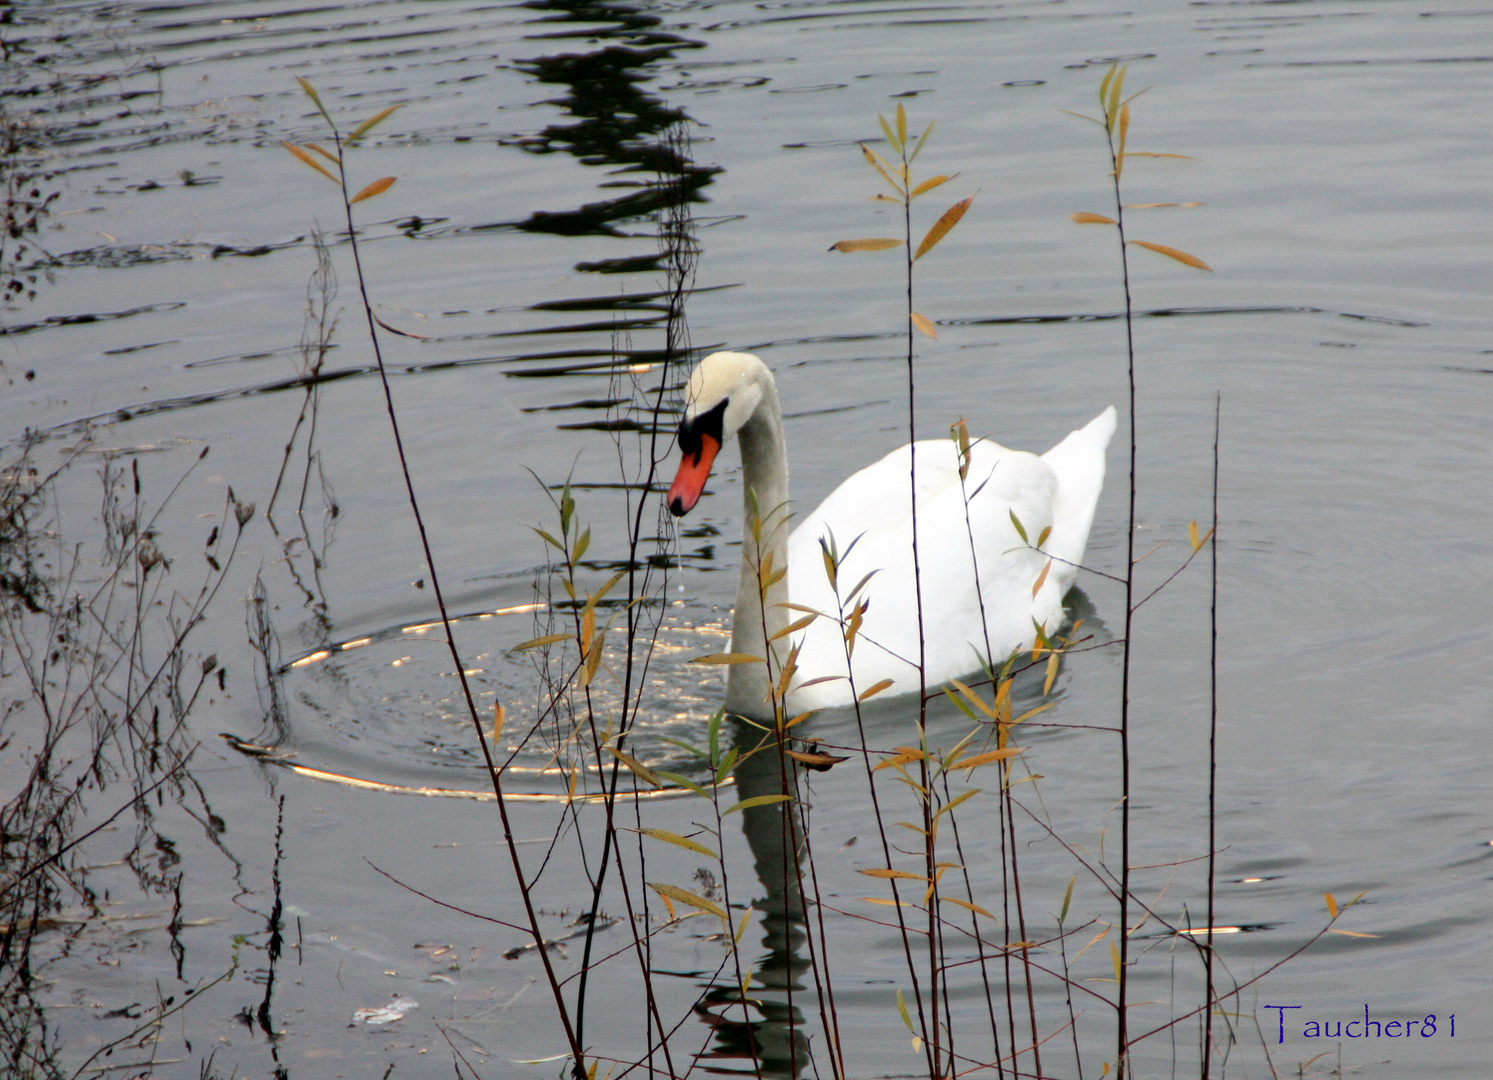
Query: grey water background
<point>1340,153</point>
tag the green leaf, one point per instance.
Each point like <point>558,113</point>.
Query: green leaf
<point>965,709</point>
<point>373,121</point>
<point>725,767</point>
<point>1020,528</point>
<point>713,731</point>
<point>902,1010</point>
<point>918,149</point>
<point>681,781</point>
<point>758,800</point>
<point>682,745</point>
<point>1067,899</point>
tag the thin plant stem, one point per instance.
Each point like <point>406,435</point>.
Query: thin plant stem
<point>1122,1043</point>
<point>1212,749</point>
<point>578,1067</point>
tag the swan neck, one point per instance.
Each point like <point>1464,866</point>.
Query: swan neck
<point>764,467</point>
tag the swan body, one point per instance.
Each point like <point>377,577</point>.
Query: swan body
<point>965,535</point>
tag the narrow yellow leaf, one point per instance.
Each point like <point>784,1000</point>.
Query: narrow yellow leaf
<point>1083,217</point>
<point>930,184</point>
<point>878,872</point>
<point>1031,713</point>
<point>588,630</point>
<point>879,164</point>
<point>817,762</point>
<point>1041,579</point>
<point>677,840</point>
<point>1114,956</point>
<point>1331,905</point>
<point>1173,253</point>
<point>1349,933</point>
<point>684,896</point>
<point>746,917</point>
<point>539,642</point>
<point>885,903</point>
<point>323,151</point>
<point>309,160</point>
<point>795,626</point>
<point>901,123</point>
<point>875,243</point>
<point>987,757</point>
<point>499,714</point>
<point>378,187</point>
<point>903,755</point>
<point>727,658</point>
<point>973,698</point>
<point>942,226</point>
<point>970,794</point>
<point>872,691</point>
<point>1052,674</point>
<point>1124,134</point>
<point>891,136</point>
<point>368,125</point>
<point>923,323</point>
<point>1192,536</point>
<point>976,908</point>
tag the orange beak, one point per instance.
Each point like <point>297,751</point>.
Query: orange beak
<point>689,481</point>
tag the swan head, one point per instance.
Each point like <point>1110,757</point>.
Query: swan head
<point>724,391</point>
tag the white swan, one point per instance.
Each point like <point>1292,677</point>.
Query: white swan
<point>735,394</point>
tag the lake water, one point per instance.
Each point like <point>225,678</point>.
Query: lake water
<point>1336,179</point>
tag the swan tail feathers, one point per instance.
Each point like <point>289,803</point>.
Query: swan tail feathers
<point>1078,462</point>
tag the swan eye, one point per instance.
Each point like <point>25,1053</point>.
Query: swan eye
<point>706,423</point>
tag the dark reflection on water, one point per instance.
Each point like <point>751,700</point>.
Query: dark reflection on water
<point>617,122</point>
